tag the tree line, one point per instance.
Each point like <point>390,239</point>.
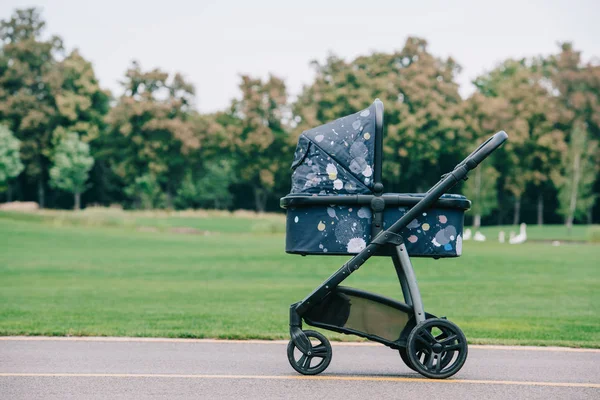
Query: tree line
<point>66,141</point>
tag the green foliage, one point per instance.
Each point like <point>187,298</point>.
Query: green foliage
<point>41,91</point>
<point>151,133</point>
<point>211,190</point>
<point>10,160</point>
<point>576,180</point>
<point>25,99</point>
<point>71,164</point>
<point>481,189</point>
<point>421,99</point>
<point>146,191</point>
<point>535,146</point>
<point>259,135</point>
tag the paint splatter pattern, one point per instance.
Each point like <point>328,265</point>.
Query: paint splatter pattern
<point>336,158</point>
<point>347,230</point>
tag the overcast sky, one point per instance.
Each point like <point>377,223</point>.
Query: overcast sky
<point>212,42</point>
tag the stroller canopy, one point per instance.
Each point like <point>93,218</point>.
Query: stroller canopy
<point>340,157</point>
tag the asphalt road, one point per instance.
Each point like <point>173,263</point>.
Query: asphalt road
<point>105,368</point>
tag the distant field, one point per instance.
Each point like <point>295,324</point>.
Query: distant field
<point>579,233</point>
<point>244,222</point>
<point>136,274</point>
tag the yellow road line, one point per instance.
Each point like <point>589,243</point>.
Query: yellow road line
<point>258,341</point>
<point>313,378</point>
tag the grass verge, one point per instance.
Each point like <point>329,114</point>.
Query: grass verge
<point>103,279</point>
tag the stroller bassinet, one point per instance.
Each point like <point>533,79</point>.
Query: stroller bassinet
<point>336,173</point>
<point>337,207</point>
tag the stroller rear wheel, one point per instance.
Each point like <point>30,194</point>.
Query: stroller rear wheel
<point>404,356</point>
<point>404,351</point>
<point>437,348</point>
<point>316,360</point>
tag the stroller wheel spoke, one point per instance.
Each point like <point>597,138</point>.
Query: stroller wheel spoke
<point>306,362</point>
<point>438,364</point>
<point>449,339</point>
<point>429,361</point>
<point>302,360</point>
<point>428,337</point>
<point>424,341</point>
<point>319,351</point>
<point>453,347</point>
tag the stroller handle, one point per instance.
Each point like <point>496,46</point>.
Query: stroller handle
<point>472,161</point>
<point>483,151</point>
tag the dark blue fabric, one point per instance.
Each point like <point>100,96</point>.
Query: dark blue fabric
<point>344,230</point>
<point>338,157</point>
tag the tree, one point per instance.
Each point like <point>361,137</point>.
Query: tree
<point>146,191</point>
<point>481,117</point>
<point>151,132</point>
<point>80,102</point>
<point>576,180</point>
<point>535,144</point>
<point>43,94</point>
<point>421,99</point>
<point>10,159</point>
<point>26,102</point>
<point>577,88</point>
<point>211,190</point>
<point>259,138</point>
<point>71,166</point>
<point>481,189</point>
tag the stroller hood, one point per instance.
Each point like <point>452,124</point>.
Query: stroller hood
<point>340,157</point>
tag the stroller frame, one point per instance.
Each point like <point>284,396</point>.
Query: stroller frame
<point>434,360</point>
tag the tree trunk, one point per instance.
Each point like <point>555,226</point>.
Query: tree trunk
<point>41,193</point>
<point>9,192</point>
<point>77,201</point>
<point>476,221</point>
<point>540,210</point>
<point>260,199</point>
<point>590,215</point>
<point>574,190</point>
<point>478,208</point>
<point>569,224</point>
<point>517,213</point>
<point>169,197</point>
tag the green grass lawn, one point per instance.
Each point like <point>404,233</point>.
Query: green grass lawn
<point>88,274</point>
<point>579,233</point>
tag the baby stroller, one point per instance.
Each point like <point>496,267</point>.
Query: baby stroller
<point>337,207</point>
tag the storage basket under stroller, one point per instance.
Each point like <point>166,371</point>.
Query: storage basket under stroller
<point>337,206</point>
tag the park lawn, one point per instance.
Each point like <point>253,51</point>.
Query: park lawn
<point>578,233</point>
<point>64,278</point>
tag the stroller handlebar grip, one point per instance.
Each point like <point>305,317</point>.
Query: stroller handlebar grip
<point>484,150</point>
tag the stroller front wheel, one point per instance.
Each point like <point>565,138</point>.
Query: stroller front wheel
<point>437,348</point>
<point>316,360</point>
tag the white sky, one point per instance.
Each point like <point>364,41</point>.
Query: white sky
<point>212,42</point>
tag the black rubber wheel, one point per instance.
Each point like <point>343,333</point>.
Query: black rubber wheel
<point>404,356</point>
<point>446,358</point>
<point>318,358</point>
<point>437,348</point>
<point>404,353</point>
